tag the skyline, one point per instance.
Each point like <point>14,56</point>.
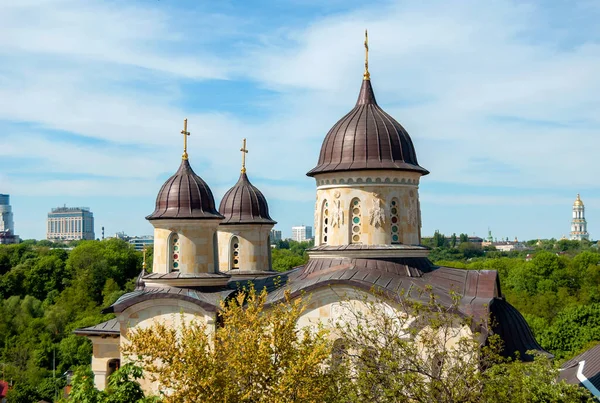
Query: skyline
<point>499,99</point>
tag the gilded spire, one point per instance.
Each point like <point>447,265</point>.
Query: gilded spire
<point>366,76</point>
<point>578,201</point>
<point>144,262</point>
<point>185,136</point>
<point>244,152</point>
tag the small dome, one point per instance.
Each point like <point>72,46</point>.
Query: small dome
<point>185,196</point>
<point>245,204</point>
<point>578,202</point>
<point>367,138</point>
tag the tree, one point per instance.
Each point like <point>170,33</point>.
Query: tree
<point>453,240</point>
<point>439,240</point>
<point>255,356</point>
<point>424,352</point>
<point>123,387</point>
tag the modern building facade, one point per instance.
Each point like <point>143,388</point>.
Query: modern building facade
<point>7,225</point>
<point>302,233</point>
<point>275,236</point>
<point>578,223</point>
<point>141,242</point>
<point>70,224</point>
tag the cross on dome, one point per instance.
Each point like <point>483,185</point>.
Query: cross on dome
<point>367,75</point>
<point>185,136</point>
<point>244,152</point>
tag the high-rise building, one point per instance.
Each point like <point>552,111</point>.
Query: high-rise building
<point>7,225</point>
<point>302,233</point>
<point>70,224</point>
<point>275,236</point>
<point>578,223</point>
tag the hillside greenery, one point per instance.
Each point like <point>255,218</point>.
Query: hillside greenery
<point>48,290</point>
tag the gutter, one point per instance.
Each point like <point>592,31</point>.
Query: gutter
<point>586,382</point>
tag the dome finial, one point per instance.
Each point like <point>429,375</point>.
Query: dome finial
<point>185,136</point>
<point>366,76</point>
<point>244,152</point>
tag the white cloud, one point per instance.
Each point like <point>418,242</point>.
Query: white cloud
<point>469,80</point>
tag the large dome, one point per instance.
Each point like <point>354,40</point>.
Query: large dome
<point>367,138</point>
<point>245,204</point>
<point>185,196</point>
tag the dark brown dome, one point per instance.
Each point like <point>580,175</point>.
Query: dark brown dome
<point>245,204</point>
<point>367,138</point>
<point>186,196</point>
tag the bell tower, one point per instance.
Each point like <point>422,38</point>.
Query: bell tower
<point>578,222</point>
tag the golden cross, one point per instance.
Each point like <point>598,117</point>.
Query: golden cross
<point>185,136</point>
<point>366,76</point>
<point>244,152</point>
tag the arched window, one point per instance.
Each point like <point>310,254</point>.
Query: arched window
<point>325,223</point>
<point>235,253</point>
<point>338,352</point>
<point>269,257</point>
<point>395,221</point>
<point>174,252</point>
<point>112,366</point>
<point>216,252</point>
<point>356,221</point>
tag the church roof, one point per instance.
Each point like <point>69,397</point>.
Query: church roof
<point>367,138</point>
<point>587,365</point>
<point>185,196</point>
<point>479,291</point>
<point>109,328</point>
<point>245,204</point>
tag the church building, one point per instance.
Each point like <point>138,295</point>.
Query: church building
<point>367,235</point>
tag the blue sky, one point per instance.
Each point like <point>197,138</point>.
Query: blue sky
<point>500,98</point>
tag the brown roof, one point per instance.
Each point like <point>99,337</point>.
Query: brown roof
<point>591,367</point>
<point>110,327</point>
<point>367,138</point>
<point>479,291</point>
<point>185,195</point>
<point>245,204</point>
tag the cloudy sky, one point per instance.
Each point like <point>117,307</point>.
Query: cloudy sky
<point>501,99</point>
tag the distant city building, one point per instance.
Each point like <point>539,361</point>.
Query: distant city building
<point>139,242</point>
<point>275,236</point>
<point>7,225</point>
<point>578,223</point>
<point>70,224</point>
<point>507,246</point>
<point>302,233</point>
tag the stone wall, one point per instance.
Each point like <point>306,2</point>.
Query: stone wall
<point>253,246</point>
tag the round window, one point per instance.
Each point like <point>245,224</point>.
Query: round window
<point>356,238</point>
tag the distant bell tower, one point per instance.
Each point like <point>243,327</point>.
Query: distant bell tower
<point>578,224</point>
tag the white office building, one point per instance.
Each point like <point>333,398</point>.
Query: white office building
<point>302,233</point>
